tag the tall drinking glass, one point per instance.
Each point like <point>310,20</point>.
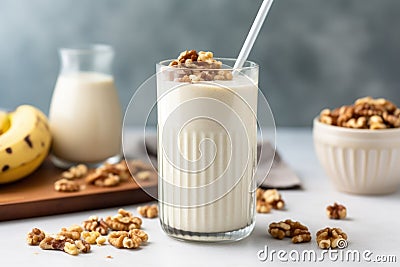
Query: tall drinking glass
<point>207,145</point>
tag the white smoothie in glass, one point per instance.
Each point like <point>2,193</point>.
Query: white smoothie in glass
<point>207,154</point>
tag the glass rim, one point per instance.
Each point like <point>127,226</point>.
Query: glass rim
<point>252,65</point>
<point>87,49</point>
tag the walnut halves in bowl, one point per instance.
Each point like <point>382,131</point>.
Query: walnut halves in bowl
<point>365,113</point>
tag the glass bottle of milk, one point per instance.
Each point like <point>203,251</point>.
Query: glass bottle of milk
<point>85,112</point>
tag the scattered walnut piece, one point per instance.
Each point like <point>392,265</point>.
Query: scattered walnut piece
<point>263,207</point>
<point>120,239</point>
<point>96,224</point>
<point>137,166</point>
<point>295,230</point>
<point>82,246</point>
<point>365,113</point>
<point>140,233</point>
<point>74,239</point>
<point>77,171</point>
<point>273,197</point>
<point>103,179</point>
<point>54,243</point>
<point>143,175</point>
<point>75,228</point>
<point>64,243</point>
<point>74,235</point>
<point>100,240</point>
<point>109,174</point>
<point>336,211</point>
<point>65,185</point>
<point>90,237</point>
<point>148,211</point>
<point>131,239</point>
<point>268,199</point>
<point>71,248</point>
<point>35,236</point>
<point>119,169</point>
<point>123,221</point>
<point>331,238</point>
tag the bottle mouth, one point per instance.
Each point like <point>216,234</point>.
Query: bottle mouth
<point>87,49</point>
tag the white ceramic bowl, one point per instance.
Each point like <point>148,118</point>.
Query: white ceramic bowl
<point>359,161</point>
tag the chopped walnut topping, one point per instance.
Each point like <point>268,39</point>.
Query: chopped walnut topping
<point>365,113</point>
<point>295,230</point>
<point>148,211</point>
<point>35,236</point>
<point>199,67</point>
<point>331,238</point>
<point>336,211</point>
<point>65,185</point>
<point>187,55</point>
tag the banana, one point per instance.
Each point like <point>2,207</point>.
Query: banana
<point>4,122</point>
<point>22,171</point>
<point>25,144</point>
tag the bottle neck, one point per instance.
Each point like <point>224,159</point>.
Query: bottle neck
<point>94,58</point>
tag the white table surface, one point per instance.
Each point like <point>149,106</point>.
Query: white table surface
<point>372,225</point>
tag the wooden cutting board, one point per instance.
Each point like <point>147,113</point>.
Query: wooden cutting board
<point>35,195</point>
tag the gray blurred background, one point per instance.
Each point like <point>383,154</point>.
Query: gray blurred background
<point>312,53</point>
